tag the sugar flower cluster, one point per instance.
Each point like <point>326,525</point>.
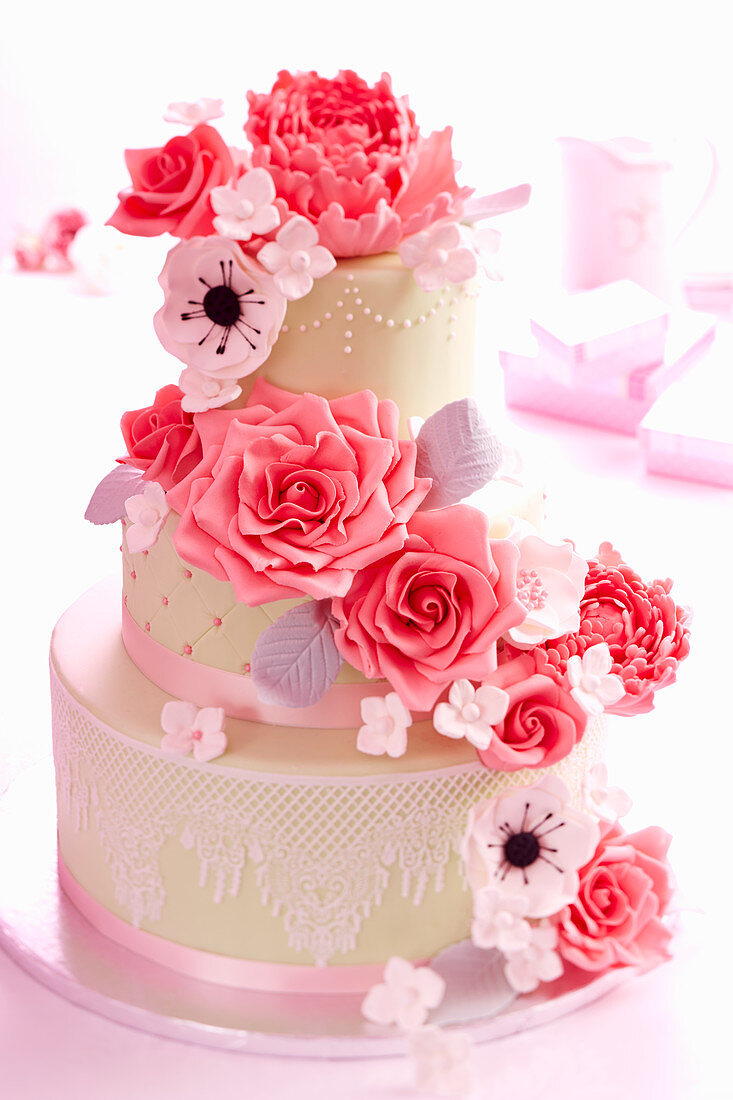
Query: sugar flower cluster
<point>335,167</point>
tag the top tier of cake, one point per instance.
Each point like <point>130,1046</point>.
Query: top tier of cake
<point>368,325</point>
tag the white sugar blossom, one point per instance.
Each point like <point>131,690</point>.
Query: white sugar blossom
<point>201,391</point>
<point>295,258</point>
<point>193,114</point>
<point>245,208</point>
<point>471,712</point>
<point>188,729</point>
<point>441,1060</point>
<point>405,996</point>
<point>607,803</point>
<point>593,686</point>
<point>439,256</point>
<point>146,514</point>
<point>535,963</point>
<point>498,920</point>
<point>386,721</point>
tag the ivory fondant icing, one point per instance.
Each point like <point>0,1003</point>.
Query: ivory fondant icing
<point>288,849</point>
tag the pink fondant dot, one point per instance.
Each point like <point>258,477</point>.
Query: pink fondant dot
<point>187,574</point>
<point>303,328</point>
<point>165,601</point>
<point>316,324</point>
<point>124,523</point>
<point>328,316</point>
<point>124,599</point>
<point>378,318</point>
<point>187,650</point>
<point>358,301</point>
<point>347,350</point>
<point>421,319</point>
<point>339,305</point>
<point>145,553</point>
<point>407,323</point>
<point>284,328</point>
<point>120,549</point>
<point>347,290</point>
<point>367,311</point>
<point>147,627</point>
<point>348,334</point>
<point>217,621</point>
<point>350,277</point>
<point>133,574</point>
<point>349,316</point>
<point>390,323</point>
<point>248,667</point>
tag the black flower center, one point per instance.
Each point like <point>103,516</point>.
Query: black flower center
<point>221,305</point>
<point>521,849</point>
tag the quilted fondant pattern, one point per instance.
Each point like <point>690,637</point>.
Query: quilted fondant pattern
<point>192,613</point>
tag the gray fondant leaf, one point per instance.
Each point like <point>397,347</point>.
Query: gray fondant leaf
<point>108,499</point>
<point>295,661</point>
<point>458,450</point>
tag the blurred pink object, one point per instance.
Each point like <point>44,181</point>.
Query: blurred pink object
<point>533,379</point>
<point>689,433</point>
<point>57,236</point>
<point>614,213</point>
<point>28,252</point>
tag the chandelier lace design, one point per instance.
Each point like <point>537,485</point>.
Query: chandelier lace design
<point>324,850</point>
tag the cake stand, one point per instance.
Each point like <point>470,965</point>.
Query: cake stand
<point>45,935</point>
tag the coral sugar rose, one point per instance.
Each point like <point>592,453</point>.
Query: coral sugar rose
<point>432,612</point>
<point>161,439</point>
<point>542,723</point>
<point>296,493</point>
<point>170,187</point>
<point>351,159</point>
<point>624,892</point>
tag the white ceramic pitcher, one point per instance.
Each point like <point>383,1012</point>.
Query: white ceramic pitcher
<point>615,223</point>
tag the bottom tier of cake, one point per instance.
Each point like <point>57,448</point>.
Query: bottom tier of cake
<point>291,862</point>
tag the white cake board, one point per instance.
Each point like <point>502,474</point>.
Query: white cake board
<point>42,931</point>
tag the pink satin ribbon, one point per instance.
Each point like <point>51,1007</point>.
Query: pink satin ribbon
<point>205,966</point>
<point>185,678</point>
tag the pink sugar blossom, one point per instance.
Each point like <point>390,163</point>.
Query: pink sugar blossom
<point>441,1060</point>
<point>146,514</point>
<point>295,258</point>
<point>439,256</point>
<point>535,962</point>
<point>406,995</point>
<point>386,721</point>
<point>188,729</point>
<point>608,804</point>
<point>498,920</point>
<point>203,391</point>
<point>593,686</point>
<point>550,583</point>
<point>193,114</point>
<point>246,208</point>
<point>471,712</point>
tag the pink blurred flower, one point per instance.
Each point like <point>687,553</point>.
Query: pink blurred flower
<point>535,962</point>
<point>57,236</point>
<point>439,255</point>
<point>646,632</point>
<point>351,159</point>
<point>405,996</point>
<point>28,252</point>
<point>193,114</point>
<point>624,891</point>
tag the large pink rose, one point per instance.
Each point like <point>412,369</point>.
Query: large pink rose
<point>161,439</point>
<point>646,632</point>
<point>295,493</point>
<point>543,721</point>
<point>432,612</point>
<point>352,159</point>
<point>170,187</point>
<point>624,892</point>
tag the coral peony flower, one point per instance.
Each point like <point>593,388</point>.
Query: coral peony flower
<point>528,841</point>
<point>296,493</point>
<point>222,311</point>
<point>161,439</point>
<point>625,890</point>
<point>351,159</point>
<point>170,187</point>
<point>646,632</point>
<point>542,722</point>
<point>432,612</point>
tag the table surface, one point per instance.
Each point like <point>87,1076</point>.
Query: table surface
<point>73,365</point>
